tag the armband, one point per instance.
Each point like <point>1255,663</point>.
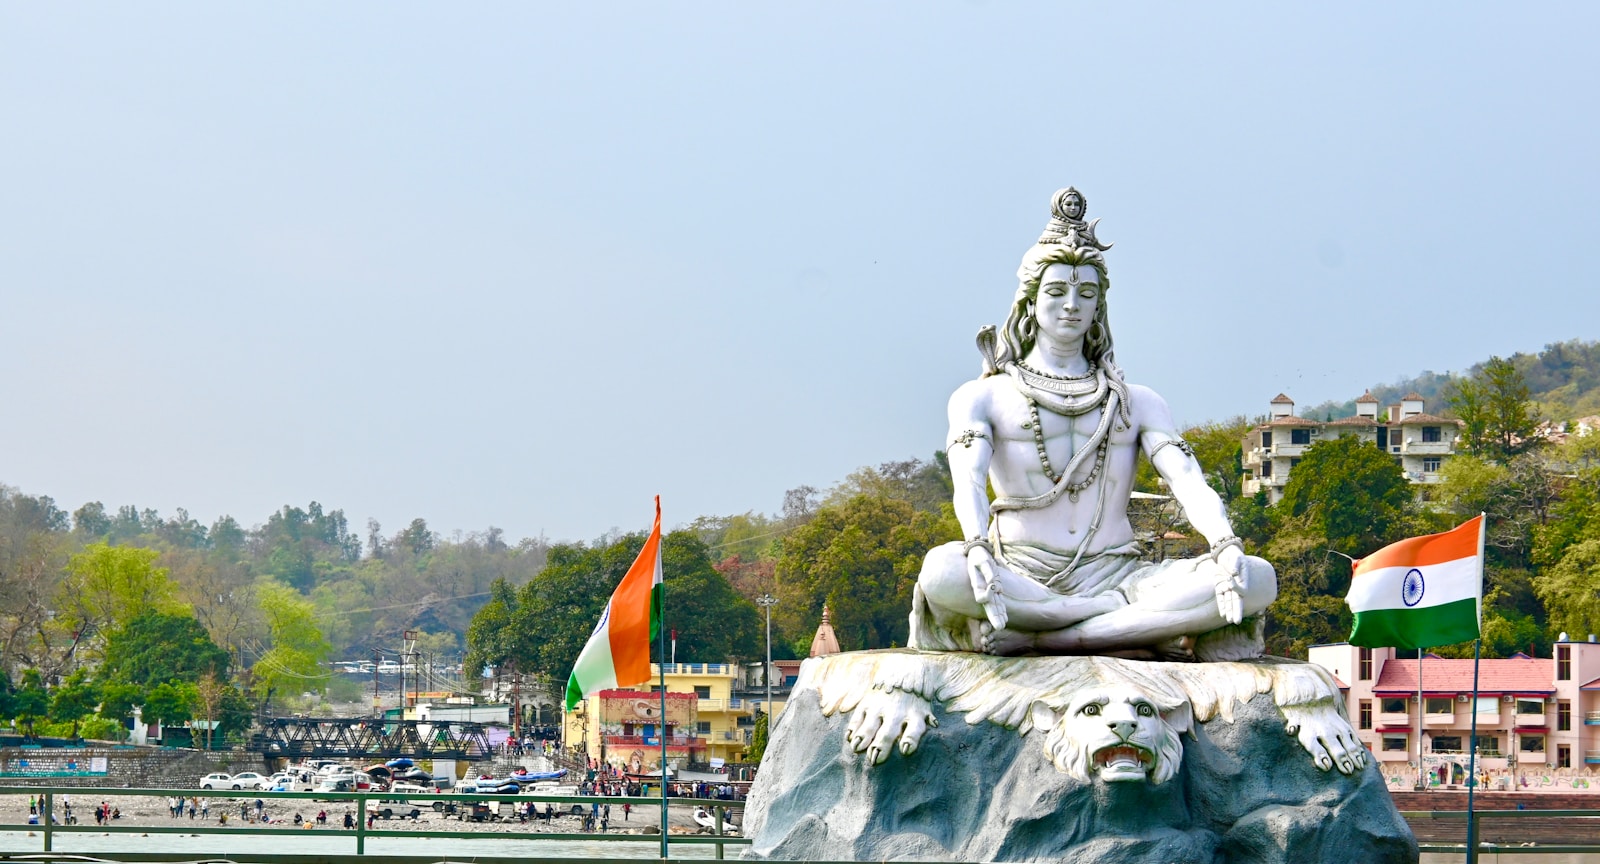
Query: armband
<point>968,436</point>
<point>1179,443</point>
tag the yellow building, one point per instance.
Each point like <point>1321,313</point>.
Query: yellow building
<point>716,729</point>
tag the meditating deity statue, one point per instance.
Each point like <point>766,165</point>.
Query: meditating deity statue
<point>1051,565</point>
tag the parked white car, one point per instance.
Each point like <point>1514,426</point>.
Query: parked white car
<point>217,781</point>
<point>248,780</point>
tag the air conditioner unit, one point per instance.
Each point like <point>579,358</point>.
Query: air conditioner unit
<point>1463,698</point>
<point>1550,701</point>
<point>1508,699</point>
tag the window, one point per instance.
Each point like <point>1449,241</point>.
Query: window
<point>1366,714</point>
<point>1441,705</point>
<point>1430,434</point>
<point>1488,745</point>
<point>702,692</point>
<point>1563,662</point>
<point>1294,462</point>
<point>1394,706</point>
<point>703,727</point>
<point>1564,716</point>
<point>1447,743</point>
<point>1531,744</point>
<point>1564,756</point>
<point>1430,465</point>
<point>1530,706</point>
<point>1299,436</point>
<point>1266,468</point>
<point>1266,438</point>
<point>1364,665</point>
<point>1488,706</point>
<point>1396,743</point>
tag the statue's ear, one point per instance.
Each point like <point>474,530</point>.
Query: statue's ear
<point>1181,718</point>
<point>1043,717</point>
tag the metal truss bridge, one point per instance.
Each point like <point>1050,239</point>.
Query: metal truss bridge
<point>366,737</point>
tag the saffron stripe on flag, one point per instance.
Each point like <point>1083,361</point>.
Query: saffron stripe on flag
<point>1459,542</point>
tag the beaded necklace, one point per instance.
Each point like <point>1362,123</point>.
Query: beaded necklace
<point>1044,458</point>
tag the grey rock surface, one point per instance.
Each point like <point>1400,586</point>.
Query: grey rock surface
<point>1246,792</point>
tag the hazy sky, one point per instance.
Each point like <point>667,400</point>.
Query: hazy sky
<point>529,265</point>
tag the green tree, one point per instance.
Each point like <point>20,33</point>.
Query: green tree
<point>159,646</point>
<point>1218,449</point>
<point>758,740</point>
<point>293,663</point>
<point>111,585</point>
<point>554,613</point>
<point>118,700</point>
<point>1345,498</point>
<point>1350,494</point>
<point>861,558</point>
<point>74,699</point>
<point>170,703</point>
<point>31,702</point>
<point>1495,407</point>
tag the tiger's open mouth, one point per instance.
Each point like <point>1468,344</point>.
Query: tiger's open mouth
<point>1124,762</point>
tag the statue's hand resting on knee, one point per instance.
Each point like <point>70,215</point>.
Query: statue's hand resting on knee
<point>986,587</point>
<point>887,720</point>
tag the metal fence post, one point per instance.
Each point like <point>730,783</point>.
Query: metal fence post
<point>47,816</point>
<point>361,824</point>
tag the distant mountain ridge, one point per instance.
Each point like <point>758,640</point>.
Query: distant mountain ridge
<point>1563,381</point>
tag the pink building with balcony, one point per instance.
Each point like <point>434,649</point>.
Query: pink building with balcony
<point>1538,718</point>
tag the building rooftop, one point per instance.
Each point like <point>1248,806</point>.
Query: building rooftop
<point>1413,396</point>
<point>1280,399</point>
<point>1291,420</point>
<point>1356,420</point>
<point>1366,397</point>
<point>1531,676</point>
<point>1414,419</point>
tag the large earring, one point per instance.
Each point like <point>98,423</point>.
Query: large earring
<point>1097,334</point>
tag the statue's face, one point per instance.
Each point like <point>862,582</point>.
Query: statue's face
<point>1068,299</point>
<point>1073,207</point>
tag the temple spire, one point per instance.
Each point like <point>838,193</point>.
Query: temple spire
<point>824,643</point>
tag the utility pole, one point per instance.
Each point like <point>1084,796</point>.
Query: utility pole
<point>767,601</point>
<point>377,706</point>
<point>516,701</point>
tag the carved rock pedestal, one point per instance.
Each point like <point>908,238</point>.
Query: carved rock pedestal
<point>1068,759</point>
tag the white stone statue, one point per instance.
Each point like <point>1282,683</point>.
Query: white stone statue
<point>1052,565</point>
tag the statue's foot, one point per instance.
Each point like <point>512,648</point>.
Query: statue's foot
<point>1176,650</point>
<point>1005,643</point>
<point>1230,642</point>
<point>889,720</point>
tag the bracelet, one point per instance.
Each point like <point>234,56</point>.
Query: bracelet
<point>969,545</point>
<point>1230,540</point>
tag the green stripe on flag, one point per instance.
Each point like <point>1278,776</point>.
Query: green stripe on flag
<point>1429,627</point>
<point>658,600</point>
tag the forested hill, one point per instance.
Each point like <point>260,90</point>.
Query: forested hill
<point>1563,383</point>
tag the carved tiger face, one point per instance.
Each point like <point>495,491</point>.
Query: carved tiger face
<point>1115,733</point>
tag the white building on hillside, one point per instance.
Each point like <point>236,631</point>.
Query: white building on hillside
<point>1419,441</point>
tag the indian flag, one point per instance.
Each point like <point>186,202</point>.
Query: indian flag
<point>618,652</point>
<point>1420,592</point>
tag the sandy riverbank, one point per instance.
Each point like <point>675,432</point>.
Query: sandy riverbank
<point>145,811</point>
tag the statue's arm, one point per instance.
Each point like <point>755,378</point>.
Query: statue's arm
<point>1174,461</point>
<point>969,447</point>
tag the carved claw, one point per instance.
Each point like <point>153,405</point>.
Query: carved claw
<point>889,720</point>
<point>1327,736</point>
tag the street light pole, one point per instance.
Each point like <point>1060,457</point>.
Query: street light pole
<point>767,601</point>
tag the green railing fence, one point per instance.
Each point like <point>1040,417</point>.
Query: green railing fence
<point>363,803</point>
